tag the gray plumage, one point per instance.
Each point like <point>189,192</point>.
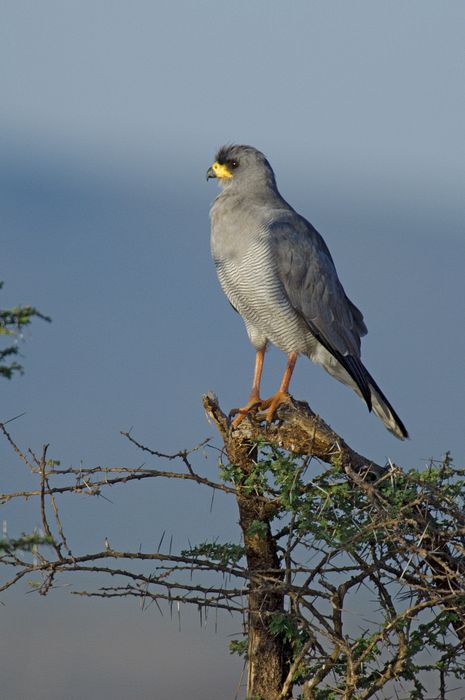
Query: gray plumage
<point>277,272</point>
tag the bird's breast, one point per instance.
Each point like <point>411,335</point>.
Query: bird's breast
<point>249,278</point>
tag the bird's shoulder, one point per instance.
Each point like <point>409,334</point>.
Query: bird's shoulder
<point>297,244</point>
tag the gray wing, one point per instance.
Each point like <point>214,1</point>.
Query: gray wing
<point>309,279</point>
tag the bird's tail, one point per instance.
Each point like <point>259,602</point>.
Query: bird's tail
<point>383,409</point>
<point>362,379</point>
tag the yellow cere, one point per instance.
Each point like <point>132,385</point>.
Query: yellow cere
<point>221,170</point>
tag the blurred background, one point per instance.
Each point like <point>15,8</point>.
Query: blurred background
<point>111,113</point>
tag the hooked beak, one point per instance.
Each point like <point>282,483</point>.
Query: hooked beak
<point>210,173</point>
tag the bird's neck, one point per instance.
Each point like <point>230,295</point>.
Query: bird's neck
<point>259,191</point>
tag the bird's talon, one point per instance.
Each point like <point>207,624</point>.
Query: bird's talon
<point>241,413</point>
<point>273,403</point>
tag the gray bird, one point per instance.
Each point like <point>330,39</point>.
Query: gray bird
<point>277,272</point>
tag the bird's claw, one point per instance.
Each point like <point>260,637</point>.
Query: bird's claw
<point>272,404</point>
<point>257,406</point>
<point>252,406</point>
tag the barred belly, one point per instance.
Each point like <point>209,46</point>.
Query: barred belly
<point>254,289</point>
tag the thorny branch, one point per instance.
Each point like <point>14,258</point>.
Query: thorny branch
<point>312,543</point>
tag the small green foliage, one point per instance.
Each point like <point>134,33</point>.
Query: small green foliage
<point>327,694</point>
<point>238,646</point>
<point>274,470</point>
<point>25,543</point>
<point>231,474</point>
<point>282,625</point>
<point>12,322</point>
<point>259,529</point>
<point>366,646</point>
<point>53,463</point>
<point>226,554</point>
<point>34,584</point>
<point>286,626</point>
<point>336,461</point>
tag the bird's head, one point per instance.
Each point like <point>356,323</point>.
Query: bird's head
<point>241,165</point>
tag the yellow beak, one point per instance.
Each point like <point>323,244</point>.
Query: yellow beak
<point>219,171</point>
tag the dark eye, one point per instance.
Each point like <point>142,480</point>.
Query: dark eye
<point>234,163</point>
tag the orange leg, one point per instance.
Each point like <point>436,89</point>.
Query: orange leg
<point>282,395</point>
<point>254,398</point>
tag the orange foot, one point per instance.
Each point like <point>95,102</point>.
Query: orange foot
<point>253,404</point>
<point>272,404</point>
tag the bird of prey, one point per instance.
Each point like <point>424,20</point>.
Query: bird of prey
<point>278,273</point>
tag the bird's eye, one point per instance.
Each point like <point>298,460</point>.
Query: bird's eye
<point>234,164</point>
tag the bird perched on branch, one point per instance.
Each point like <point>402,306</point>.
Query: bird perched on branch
<point>277,272</point>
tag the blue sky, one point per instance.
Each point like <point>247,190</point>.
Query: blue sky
<point>111,114</point>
